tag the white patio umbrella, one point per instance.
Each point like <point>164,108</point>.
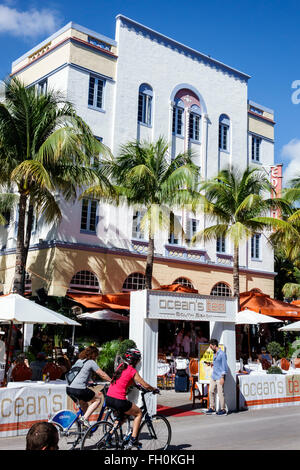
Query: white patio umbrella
<point>17,309</point>
<point>250,317</point>
<point>291,327</point>
<point>104,314</point>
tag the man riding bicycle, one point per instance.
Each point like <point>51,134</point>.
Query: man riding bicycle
<point>125,376</point>
<point>78,389</point>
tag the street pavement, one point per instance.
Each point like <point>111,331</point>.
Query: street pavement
<point>268,429</point>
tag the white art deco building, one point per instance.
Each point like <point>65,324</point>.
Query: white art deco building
<point>142,85</point>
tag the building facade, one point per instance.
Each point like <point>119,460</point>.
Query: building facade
<point>142,85</point>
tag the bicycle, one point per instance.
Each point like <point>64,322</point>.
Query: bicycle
<point>154,433</point>
<point>68,425</point>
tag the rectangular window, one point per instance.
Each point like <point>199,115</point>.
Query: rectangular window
<point>255,246</point>
<point>191,229</point>
<point>174,230</point>
<point>221,245</point>
<point>194,126</point>
<point>177,124</point>
<point>95,159</point>
<point>255,148</point>
<point>42,87</point>
<point>89,215</point>
<point>96,86</point>
<point>223,136</point>
<point>137,232</point>
<point>144,108</point>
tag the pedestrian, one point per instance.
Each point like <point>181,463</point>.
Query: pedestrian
<point>42,436</point>
<point>219,371</point>
<point>186,344</point>
<point>38,365</point>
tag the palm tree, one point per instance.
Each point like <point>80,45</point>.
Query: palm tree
<point>45,149</point>
<point>288,239</point>
<point>146,176</point>
<point>237,205</point>
<point>7,202</point>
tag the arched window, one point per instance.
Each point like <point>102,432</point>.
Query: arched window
<point>184,282</point>
<point>224,128</point>
<point>135,281</point>
<point>28,284</point>
<point>221,289</point>
<point>145,104</point>
<point>187,103</point>
<point>84,281</point>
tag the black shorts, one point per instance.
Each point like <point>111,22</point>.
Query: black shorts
<point>84,394</point>
<point>119,405</point>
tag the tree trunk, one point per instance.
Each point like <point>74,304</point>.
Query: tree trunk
<point>19,266</point>
<point>149,264</point>
<point>27,241</point>
<point>236,275</point>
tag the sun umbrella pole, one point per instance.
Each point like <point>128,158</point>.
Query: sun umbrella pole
<point>8,352</point>
<point>73,335</point>
<point>249,346</point>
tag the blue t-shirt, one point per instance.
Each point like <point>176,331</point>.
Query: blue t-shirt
<point>220,366</point>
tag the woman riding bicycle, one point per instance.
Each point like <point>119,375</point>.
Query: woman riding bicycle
<point>78,389</point>
<point>124,376</point>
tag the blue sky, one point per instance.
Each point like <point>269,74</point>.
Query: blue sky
<point>259,37</point>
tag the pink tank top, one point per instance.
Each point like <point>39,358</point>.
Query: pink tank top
<point>119,388</point>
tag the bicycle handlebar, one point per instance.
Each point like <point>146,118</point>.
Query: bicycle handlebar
<point>145,390</point>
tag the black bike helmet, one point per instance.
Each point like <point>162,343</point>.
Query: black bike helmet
<point>132,356</point>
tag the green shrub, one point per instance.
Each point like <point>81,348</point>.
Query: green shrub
<point>275,349</point>
<point>274,370</point>
<point>112,350</point>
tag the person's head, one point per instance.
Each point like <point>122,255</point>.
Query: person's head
<point>91,352</point>
<point>132,356</point>
<point>263,350</point>
<point>41,356</point>
<point>42,436</point>
<point>214,344</point>
<point>20,359</point>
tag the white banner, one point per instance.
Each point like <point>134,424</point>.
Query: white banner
<point>268,390</point>
<point>21,406</point>
<point>190,307</point>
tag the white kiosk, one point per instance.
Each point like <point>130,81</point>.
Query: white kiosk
<point>147,307</point>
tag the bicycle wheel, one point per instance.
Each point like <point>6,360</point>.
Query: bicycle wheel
<point>69,440</point>
<point>155,434</point>
<point>97,437</point>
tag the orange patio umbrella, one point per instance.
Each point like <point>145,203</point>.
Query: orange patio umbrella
<point>263,303</point>
<point>296,302</point>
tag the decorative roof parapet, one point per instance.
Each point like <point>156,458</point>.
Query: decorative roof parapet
<point>181,48</point>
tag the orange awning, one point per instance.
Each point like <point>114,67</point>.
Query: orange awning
<point>263,303</point>
<point>296,302</point>
<point>119,301</point>
<point>97,301</point>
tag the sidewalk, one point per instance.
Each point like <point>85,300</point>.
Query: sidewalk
<point>171,403</point>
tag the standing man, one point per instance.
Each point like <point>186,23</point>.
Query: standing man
<point>220,369</point>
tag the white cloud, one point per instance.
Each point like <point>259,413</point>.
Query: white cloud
<point>291,153</point>
<point>31,23</point>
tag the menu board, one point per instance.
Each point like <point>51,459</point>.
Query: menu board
<point>206,356</point>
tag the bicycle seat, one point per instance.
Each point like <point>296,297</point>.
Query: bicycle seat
<point>75,399</point>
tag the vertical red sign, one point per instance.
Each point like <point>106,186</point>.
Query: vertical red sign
<point>276,181</point>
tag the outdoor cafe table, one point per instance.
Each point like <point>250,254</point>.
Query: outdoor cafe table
<point>259,390</point>
<point>23,403</point>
